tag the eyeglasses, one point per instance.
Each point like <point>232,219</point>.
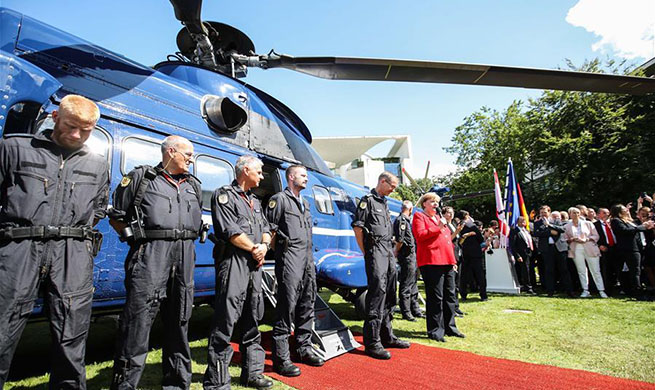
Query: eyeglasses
<point>188,155</point>
<point>393,186</point>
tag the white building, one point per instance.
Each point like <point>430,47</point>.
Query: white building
<point>349,157</point>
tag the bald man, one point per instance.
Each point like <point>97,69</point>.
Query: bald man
<point>157,211</point>
<point>53,190</point>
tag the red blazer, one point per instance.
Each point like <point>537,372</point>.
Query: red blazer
<point>433,242</point>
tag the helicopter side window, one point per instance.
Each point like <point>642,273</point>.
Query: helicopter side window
<point>139,151</point>
<point>213,173</point>
<point>323,200</point>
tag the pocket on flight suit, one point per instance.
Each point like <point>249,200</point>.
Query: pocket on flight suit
<point>77,313</point>
<point>186,303</point>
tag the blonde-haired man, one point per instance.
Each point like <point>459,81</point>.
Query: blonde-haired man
<point>53,189</point>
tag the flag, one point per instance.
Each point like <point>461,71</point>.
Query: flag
<point>500,211</point>
<point>524,213</point>
<point>512,210</point>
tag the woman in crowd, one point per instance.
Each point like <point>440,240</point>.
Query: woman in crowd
<point>582,237</point>
<point>630,239</point>
<point>436,259</point>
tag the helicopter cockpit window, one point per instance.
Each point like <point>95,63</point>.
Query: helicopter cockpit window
<point>21,118</point>
<point>322,200</point>
<point>213,173</point>
<point>138,151</point>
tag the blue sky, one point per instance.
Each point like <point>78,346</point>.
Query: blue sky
<point>502,32</point>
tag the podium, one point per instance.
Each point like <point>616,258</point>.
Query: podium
<point>501,276</point>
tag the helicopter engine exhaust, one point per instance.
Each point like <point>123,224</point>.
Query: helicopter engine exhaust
<point>223,114</point>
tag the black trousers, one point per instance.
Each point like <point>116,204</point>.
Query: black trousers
<point>158,275</point>
<point>380,296</point>
<point>63,271</point>
<point>296,295</point>
<point>473,267</point>
<point>439,300</point>
<point>522,269</point>
<point>238,304</point>
<point>555,262</point>
<point>633,261</point>
<point>408,291</point>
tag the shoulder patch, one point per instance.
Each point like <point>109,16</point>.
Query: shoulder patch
<point>402,226</point>
<point>362,204</point>
<point>222,198</point>
<point>272,203</point>
<point>126,181</point>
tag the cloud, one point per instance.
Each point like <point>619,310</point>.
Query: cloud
<point>626,28</point>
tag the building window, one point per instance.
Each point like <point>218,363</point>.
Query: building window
<point>322,200</point>
<point>213,173</point>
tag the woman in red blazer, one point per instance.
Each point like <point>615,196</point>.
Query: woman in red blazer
<point>436,259</point>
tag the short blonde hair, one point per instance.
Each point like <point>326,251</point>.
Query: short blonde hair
<point>428,196</point>
<point>573,209</point>
<point>80,107</point>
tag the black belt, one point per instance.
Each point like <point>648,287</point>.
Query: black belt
<point>171,234</point>
<point>16,233</point>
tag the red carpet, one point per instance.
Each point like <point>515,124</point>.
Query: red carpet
<point>425,367</point>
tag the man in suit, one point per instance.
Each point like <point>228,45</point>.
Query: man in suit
<point>473,262</point>
<point>608,258</point>
<point>548,232</point>
<point>521,248</point>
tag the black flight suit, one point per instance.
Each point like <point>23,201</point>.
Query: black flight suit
<point>158,273</point>
<point>238,287</point>
<point>408,292</point>
<point>49,189</point>
<point>373,217</point>
<point>295,273</point>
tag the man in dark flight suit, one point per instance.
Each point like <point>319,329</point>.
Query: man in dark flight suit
<point>242,240</point>
<point>295,272</point>
<point>373,231</point>
<point>53,189</point>
<point>158,212</point>
<point>405,252</point>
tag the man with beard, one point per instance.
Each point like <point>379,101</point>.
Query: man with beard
<point>53,189</point>
<point>374,232</point>
<point>291,221</point>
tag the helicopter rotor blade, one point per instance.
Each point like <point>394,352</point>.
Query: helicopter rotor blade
<point>373,69</point>
<point>188,12</point>
<point>411,180</point>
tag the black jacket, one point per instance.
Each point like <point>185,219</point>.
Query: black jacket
<point>518,246</point>
<point>627,235</point>
<point>471,245</point>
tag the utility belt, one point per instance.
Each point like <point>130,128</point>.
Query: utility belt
<point>171,234</point>
<point>53,232</point>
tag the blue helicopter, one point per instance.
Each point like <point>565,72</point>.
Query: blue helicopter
<point>198,93</point>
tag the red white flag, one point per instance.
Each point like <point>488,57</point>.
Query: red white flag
<point>500,209</point>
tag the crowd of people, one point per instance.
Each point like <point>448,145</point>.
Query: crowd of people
<point>567,247</point>
<point>558,251</point>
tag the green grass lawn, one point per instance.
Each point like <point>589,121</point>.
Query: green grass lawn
<point>612,337</point>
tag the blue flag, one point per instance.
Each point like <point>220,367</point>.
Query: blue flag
<point>512,210</point>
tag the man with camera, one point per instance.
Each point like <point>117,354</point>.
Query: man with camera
<point>158,212</point>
